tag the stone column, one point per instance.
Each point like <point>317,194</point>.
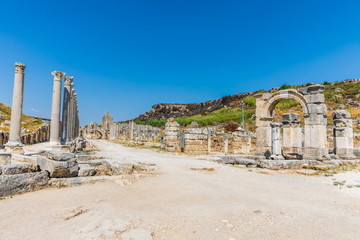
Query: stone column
<point>14,144</point>
<point>315,143</point>
<point>276,153</point>
<point>55,109</point>
<point>343,135</point>
<point>292,134</point>
<point>226,144</point>
<point>132,130</point>
<point>66,116</point>
<point>263,128</point>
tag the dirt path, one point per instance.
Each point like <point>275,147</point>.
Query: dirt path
<point>179,203</point>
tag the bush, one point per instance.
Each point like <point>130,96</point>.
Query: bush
<point>285,86</point>
<point>231,127</point>
<point>250,101</point>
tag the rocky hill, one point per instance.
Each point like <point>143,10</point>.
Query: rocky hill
<point>338,95</point>
<point>28,123</point>
<point>164,111</point>
<point>342,94</point>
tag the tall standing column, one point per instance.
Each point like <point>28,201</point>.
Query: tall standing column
<point>276,141</point>
<point>14,144</point>
<point>66,119</point>
<point>55,109</point>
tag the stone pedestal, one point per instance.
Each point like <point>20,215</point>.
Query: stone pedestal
<point>55,109</point>
<point>276,152</point>
<point>14,144</point>
<point>343,135</point>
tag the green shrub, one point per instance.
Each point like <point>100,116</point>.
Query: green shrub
<point>250,101</point>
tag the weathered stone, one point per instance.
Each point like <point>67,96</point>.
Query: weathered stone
<point>58,155</point>
<point>5,158</point>
<point>343,135</point>
<point>341,114</point>
<point>287,164</point>
<point>235,160</point>
<point>59,169</point>
<point>19,168</point>
<point>87,170</point>
<point>313,89</point>
<point>20,183</point>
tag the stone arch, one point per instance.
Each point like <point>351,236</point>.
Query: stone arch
<point>286,94</point>
<point>311,99</point>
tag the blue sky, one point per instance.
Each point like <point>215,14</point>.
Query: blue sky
<point>128,55</point>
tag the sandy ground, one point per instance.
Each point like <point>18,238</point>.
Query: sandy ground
<point>180,203</point>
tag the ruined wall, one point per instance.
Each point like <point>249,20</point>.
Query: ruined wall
<point>132,131</point>
<point>42,134</point>
<point>195,140</point>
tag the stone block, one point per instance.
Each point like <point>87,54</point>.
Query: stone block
<point>58,155</point>
<point>59,169</point>
<point>86,170</point>
<point>313,89</point>
<point>18,168</point>
<point>5,158</point>
<point>20,183</point>
<point>341,114</point>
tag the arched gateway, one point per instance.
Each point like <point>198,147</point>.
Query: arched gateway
<point>315,118</point>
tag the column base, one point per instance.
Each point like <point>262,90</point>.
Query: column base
<point>277,157</point>
<point>316,154</point>
<point>345,153</point>
<point>14,149</point>
<point>58,147</point>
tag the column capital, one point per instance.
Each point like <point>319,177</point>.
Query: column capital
<point>19,67</point>
<point>68,80</point>
<point>57,75</point>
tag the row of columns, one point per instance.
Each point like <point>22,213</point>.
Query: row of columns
<point>60,132</point>
<point>69,126</point>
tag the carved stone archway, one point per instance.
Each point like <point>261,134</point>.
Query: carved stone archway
<point>315,117</point>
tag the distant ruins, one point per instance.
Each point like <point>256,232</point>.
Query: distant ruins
<point>311,142</point>
<point>286,140</point>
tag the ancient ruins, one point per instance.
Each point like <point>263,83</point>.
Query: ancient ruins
<point>298,141</point>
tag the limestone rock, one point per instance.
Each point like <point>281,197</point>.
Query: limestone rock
<point>20,183</point>
<point>18,168</point>
<point>59,169</point>
<point>5,158</point>
<point>87,170</point>
<point>341,114</point>
<point>235,160</point>
<point>58,155</point>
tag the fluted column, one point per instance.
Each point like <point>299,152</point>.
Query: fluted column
<point>66,116</point>
<point>55,109</point>
<point>14,144</point>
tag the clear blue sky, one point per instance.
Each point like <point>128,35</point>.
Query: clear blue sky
<point>128,55</point>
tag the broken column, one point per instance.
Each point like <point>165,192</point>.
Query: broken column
<point>343,135</point>
<point>55,109</point>
<point>66,116</point>
<point>292,134</point>
<point>276,153</point>
<point>14,144</point>
<point>171,135</point>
